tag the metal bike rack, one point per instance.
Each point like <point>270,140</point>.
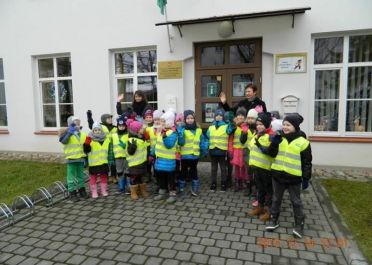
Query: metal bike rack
<point>42,195</point>
<point>6,216</point>
<point>22,208</point>
<point>57,191</point>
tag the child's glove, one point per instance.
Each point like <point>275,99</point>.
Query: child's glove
<point>71,128</point>
<point>305,183</point>
<point>180,129</point>
<point>244,128</point>
<point>277,139</point>
<point>121,144</point>
<point>133,143</point>
<point>88,140</point>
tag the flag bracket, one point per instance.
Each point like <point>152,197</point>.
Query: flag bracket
<point>179,30</point>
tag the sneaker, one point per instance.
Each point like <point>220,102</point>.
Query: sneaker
<point>273,224</point>
<point>223,188</point>
<point>255,203</point>
<point>213,187</point>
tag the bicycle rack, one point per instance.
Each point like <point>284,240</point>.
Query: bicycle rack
<point>57,191</point>
<point>22,208</point>
<point>6,216</point>
<point>42,195</point>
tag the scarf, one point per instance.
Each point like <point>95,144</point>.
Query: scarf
<point>97,137</point>
<point>139,107</point>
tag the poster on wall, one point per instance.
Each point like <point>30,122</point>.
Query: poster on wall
<point>208,111</point>
<point>239,88</point>
<point>290,63</point>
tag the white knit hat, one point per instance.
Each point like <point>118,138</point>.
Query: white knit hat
<point>71,119</point>
<point>169,118</point>
<point>252,113</point>
<point>277,125</point>
<point>157,114</point>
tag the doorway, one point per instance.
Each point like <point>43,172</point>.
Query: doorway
<point>225,66</point>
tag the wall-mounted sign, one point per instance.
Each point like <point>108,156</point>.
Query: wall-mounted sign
<point>212,89</point>
<point>290,63</point>
<point>170,70</point>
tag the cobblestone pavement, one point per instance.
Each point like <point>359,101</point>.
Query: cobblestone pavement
<point>210,229</point>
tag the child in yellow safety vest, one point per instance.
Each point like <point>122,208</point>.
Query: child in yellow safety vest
<point>245,138</point>
<point>137,159</point>
<point>152,133</point>
<point>120,142</point>
<point>97,147</point>
<point>192,146</point>
<point>165,161</point>
<point>240,169</point>
<point>73,139</point>
<point>260,164</point>
<point>291,170</point>
<point>218,134</point>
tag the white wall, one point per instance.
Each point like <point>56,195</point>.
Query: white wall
<point>89,29</point>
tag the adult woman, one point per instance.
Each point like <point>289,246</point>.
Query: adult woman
<point>139,104</point>
<point>250,102</point>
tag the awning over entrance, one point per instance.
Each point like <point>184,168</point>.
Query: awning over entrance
<point>232,18</point>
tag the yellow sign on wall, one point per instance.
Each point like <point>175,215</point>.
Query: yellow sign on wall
<point>170,70</point>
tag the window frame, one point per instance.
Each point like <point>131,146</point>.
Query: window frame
<point>55,80</point>
<point>134,76</point>
<point>343,67</point>
<point>2,127</point>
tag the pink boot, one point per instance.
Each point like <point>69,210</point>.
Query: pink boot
<point>93,186</point>
<point>104,185</point>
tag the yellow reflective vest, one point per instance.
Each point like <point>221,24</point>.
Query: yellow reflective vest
<point>288,158</point>
<point>152,135</point>
<point>140,156</point>
<point>107,132</point>
<point>99,153</point>
<point>74,147</point>
<point>250,136</point>
<point>236,143</point>
<point>218,137</point>
<point>119,151</point>
<point>163,152</point>
<point>256,157</point>
<point>192,143</point>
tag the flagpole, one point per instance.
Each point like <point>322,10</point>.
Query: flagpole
<point>169,37</point>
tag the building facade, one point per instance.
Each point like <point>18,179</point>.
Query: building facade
<point>64,57</point>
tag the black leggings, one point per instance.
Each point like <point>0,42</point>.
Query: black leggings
<point>166,180</point>
<point>189,169</point>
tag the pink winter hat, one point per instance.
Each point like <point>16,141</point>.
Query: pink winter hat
<point>179,117</point>
<point>134,126</point>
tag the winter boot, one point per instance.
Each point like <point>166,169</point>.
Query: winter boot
<point>162,195</point>
<point>182,187</point>
<point>143,190</point>
<point>223,186</point>
<point>172,197</point>
<point>298,231</point>
<point>265,216</point>
<point>83,194</point>
<point>256,211</point>
<point>133,192</point>
<point>273,224</point>
<point>93,186</point>
<point>104,187</point>
<point>73,196</point>
<point>121,184</point>
<point>213,187</point>
<point>195,184</point>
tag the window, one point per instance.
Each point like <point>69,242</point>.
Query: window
<point>343,84</point>
<point>3,114</point>
<point>55,86</point>
<point>136,70</point>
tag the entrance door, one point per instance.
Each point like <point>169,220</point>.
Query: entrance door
<point>228,67</point>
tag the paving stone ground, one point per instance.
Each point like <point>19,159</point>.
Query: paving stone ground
<point>210,229</point>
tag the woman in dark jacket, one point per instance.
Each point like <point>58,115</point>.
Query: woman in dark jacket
<point>139,104</point>
<point>251,101</point>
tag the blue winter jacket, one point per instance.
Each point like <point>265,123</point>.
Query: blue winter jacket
<point>164,164</point>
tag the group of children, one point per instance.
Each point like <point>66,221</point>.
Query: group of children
<point>169,146</point>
